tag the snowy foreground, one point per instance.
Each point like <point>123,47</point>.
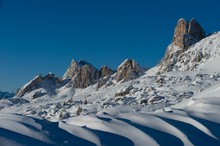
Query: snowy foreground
<point>177,108</point>
<point>196,121</point>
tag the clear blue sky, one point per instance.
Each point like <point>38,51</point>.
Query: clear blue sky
<point>41,36</point>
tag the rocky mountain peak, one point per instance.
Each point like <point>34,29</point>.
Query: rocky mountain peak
<point>128,70</point>
<point>179,32</point>
<point>196,30</point>
<point>48,82</point>
<point>76,66</point>
<point>82,74</point>
<point>186,34</point>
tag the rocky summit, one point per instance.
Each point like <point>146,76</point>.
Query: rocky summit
<point>82,74</point>
<point>186,34</point>
<point>48,82</point>
<point>128,70</point>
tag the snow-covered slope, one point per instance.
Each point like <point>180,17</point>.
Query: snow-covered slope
<point>193,122</point>
<point>198,56</point>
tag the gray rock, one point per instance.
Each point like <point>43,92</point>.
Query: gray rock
<point>155,99</point>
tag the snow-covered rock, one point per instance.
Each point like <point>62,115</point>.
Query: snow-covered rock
<point>203,54</point>
<point>48,83</point>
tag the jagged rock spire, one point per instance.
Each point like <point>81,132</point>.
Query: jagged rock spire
<point>186,34</point>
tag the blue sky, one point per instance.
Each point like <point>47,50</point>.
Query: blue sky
<point>41,36</point>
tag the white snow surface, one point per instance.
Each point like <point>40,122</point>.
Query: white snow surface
<point>175,108</point>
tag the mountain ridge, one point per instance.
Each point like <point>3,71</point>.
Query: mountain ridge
<point>82,74</point>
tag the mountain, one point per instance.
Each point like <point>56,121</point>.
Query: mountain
<point>128,70</point>
<point>41,85</point>
<point>186,34</point>
<point>81,75</point>
<point>199,55</point>
<point>176,102</point>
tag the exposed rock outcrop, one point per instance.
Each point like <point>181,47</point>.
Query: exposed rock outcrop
<point>186,34</point>
<point>48,82</point>
<point>128,70</point>
<point>105,71</point>
<point>82,74</point>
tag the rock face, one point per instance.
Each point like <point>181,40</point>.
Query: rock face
<point>105,71</point>
<point>186,34</point>
<point>82,74</point>
<point>128,70</point>
<point>105,76</point>
<point>48,82</point>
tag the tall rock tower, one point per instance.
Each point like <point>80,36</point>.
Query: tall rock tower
<point>185,35</point>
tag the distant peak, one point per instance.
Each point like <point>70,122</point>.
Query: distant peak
<point>126,61</point>
<point>129,69</point>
